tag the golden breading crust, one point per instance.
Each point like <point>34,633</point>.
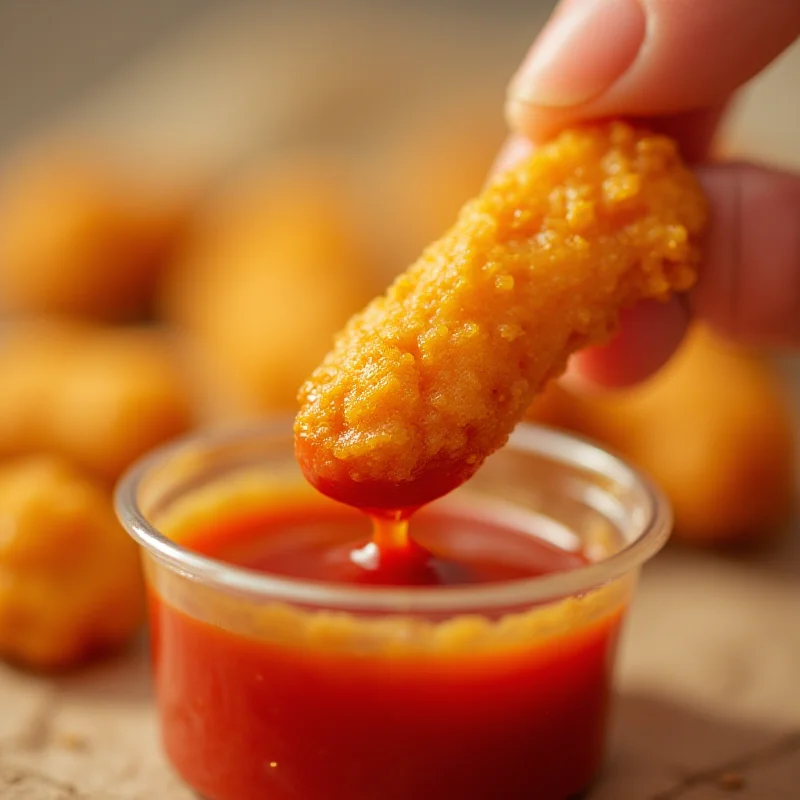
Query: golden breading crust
<point>432,377</point>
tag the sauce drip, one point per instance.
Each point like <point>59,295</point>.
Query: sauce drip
<point>333,543</point>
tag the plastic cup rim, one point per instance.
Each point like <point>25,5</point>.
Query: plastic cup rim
<point>528,437</point>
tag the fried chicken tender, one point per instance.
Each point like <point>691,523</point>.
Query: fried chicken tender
<point>70,581</point>
<point>98,396</point>
<point>432,377</point>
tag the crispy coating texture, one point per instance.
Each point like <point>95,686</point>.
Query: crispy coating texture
<point>432,377</point>
<point>98,396</point>
<point>70,580</point>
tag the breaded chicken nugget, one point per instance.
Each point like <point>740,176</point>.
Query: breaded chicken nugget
<point>276,268</point>
<point>70,583</point>
<point>96,395</point>
<point>714,429</point>
<point>84,237</point>
<point>432,377</point>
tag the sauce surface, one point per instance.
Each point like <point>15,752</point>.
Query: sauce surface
<point>247,717</point>
<point>333,543</point>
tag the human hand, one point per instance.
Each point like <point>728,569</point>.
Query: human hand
<point>675,64</point>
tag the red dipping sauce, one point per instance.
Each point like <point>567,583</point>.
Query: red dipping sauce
<point>287,702</point>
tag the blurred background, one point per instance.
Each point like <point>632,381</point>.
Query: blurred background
<point>195,195</point>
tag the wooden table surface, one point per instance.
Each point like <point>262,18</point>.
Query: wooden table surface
<point>708,706</point>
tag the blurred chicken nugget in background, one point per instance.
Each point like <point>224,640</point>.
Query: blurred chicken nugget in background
<point>714,429</point>
<point>81,235</point>
<point>96,395</point>
<point>278,265</point>
<point>70,582</point>
<point>428,169</point>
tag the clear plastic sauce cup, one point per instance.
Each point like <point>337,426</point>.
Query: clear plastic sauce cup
<point>275,688</point>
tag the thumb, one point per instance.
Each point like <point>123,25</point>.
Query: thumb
<point>638,58</point>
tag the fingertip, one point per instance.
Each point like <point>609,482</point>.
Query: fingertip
<point>515,149</point>
<point>649,334</point>
<point>607,33</point>
<point>535,123</point>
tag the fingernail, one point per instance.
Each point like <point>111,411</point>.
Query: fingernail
<point>583,50</point>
